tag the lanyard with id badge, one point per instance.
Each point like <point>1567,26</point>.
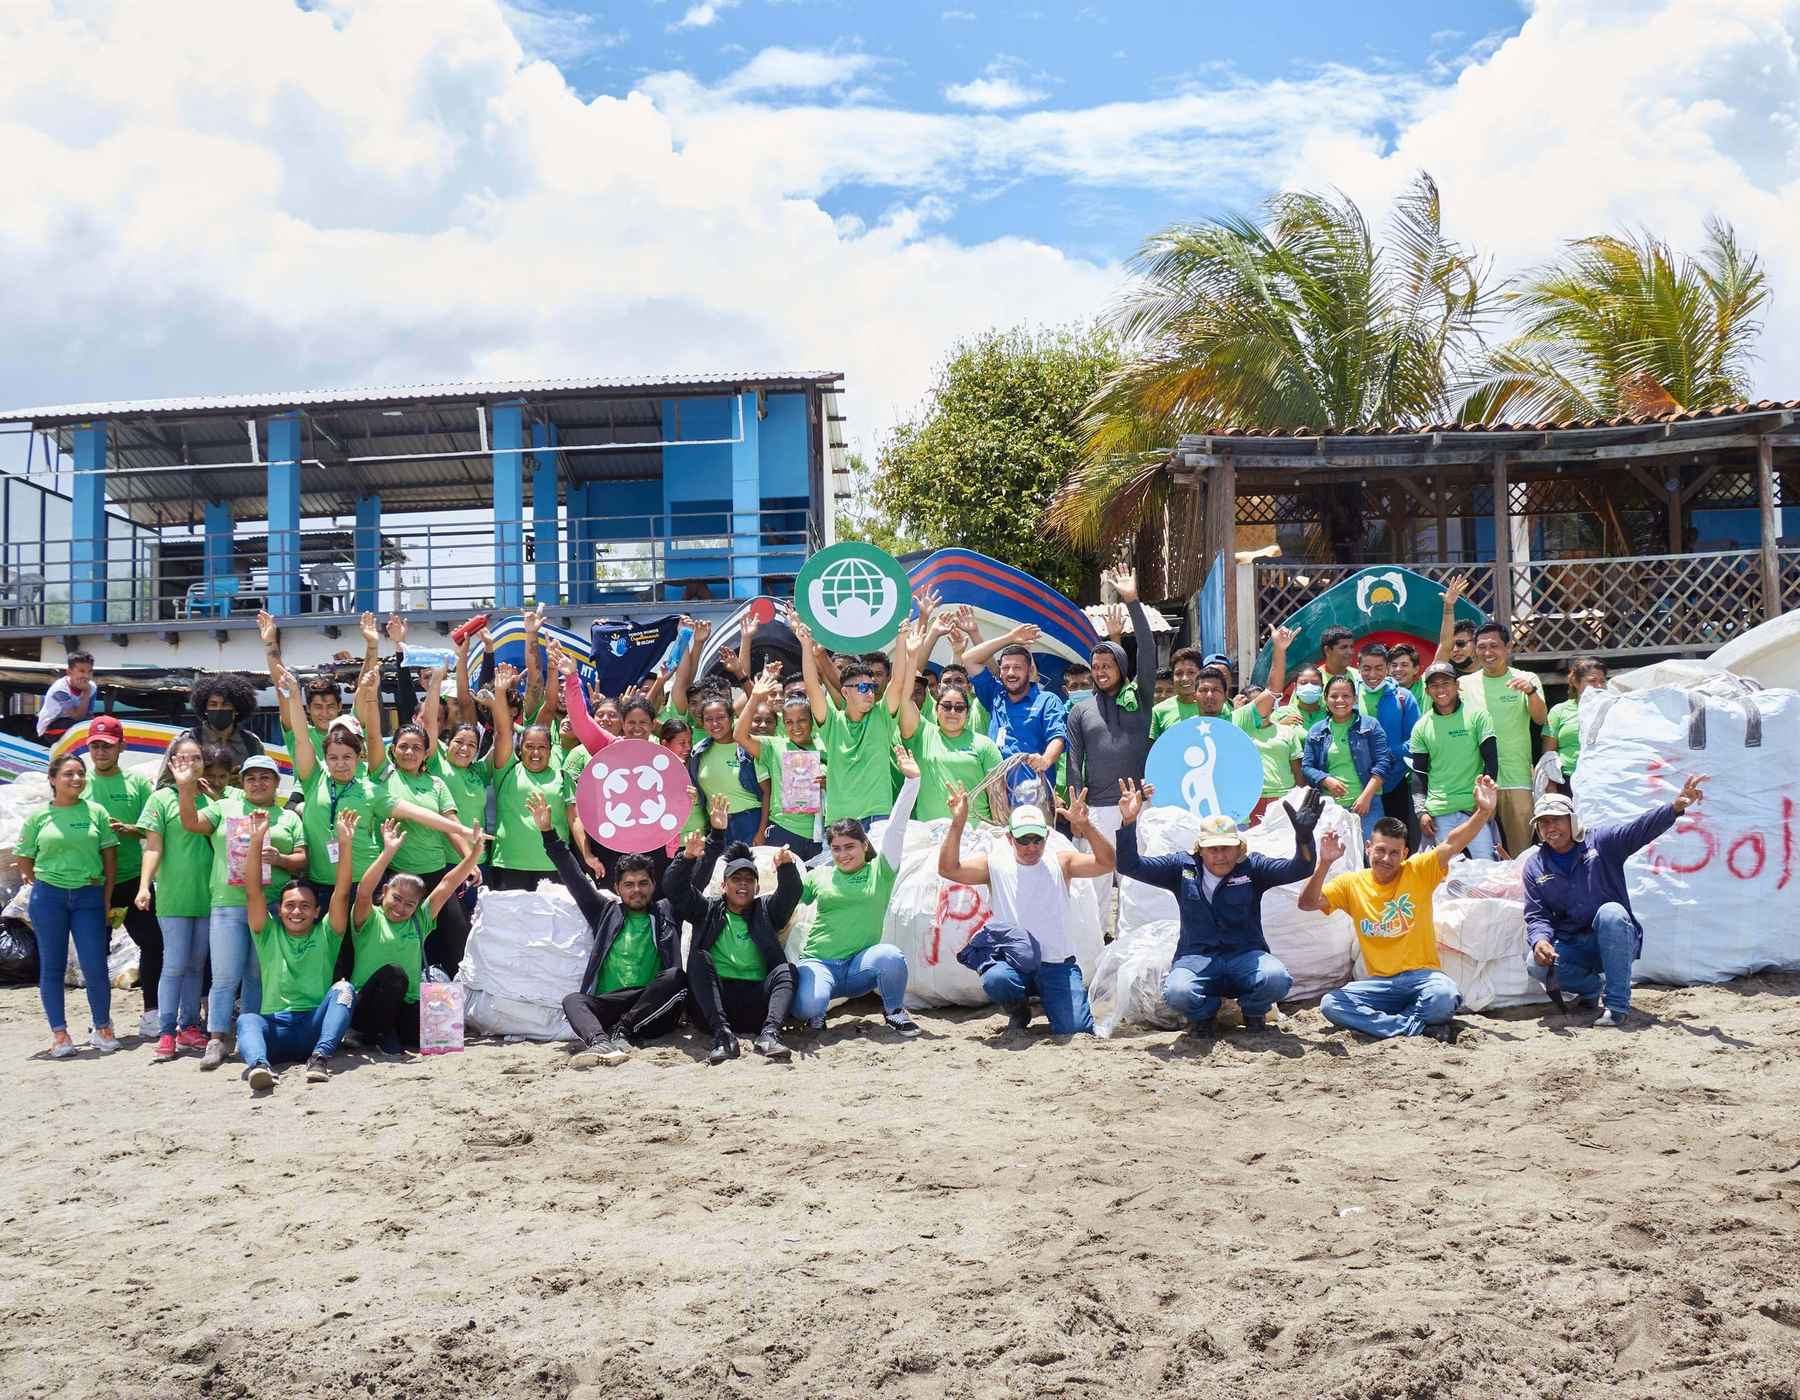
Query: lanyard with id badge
<point>337,795</point>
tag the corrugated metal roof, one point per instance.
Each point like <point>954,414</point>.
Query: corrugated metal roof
<point>417,393</point>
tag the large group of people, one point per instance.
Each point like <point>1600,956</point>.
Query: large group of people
<point>294,928</point>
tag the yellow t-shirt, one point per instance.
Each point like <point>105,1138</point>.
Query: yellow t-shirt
<point>1393,922</point>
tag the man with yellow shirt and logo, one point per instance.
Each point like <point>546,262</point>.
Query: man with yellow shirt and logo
<point>1406,992</point>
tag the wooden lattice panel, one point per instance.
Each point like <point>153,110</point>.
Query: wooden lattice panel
<point>1669,603</point>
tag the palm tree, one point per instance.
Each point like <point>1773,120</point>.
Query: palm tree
<point>1621,325</point>
<point>1299,321</point>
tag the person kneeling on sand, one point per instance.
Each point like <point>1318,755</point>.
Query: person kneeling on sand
<point>1406,991</point>
<point>304,1014</point>
<point>738,974</point>
<point>632,988</point>
<point>1219,889</point>
<point>1580,933</point>
<point>1030,895</point>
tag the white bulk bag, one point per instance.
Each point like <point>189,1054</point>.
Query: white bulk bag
<point>527,950</point>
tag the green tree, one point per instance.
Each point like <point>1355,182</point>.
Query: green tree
<point>1622,325</point>
<point>860,515</point>
<point>978,464</point>
<point>1301,320</point>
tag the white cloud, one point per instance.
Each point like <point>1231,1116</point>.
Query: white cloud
<point>957,15</point>
<point>703,15</point>
<point>795,70</point>
<point>999,88</point>
<point>547,30</point>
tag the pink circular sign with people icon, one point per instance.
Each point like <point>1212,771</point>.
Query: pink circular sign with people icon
<point>633,796</point>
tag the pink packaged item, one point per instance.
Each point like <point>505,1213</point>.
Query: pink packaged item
<point>440,1018</point>
<point>237,849</point>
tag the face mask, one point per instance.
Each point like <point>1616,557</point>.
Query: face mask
<point>1309,694</point>
<point>219,719</point>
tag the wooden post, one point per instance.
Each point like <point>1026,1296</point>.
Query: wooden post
<point>1443,521</point>
<point>1221,542</point>
<point>1502,543</point>
<point>1765,502</point>
<point>1677,536</point>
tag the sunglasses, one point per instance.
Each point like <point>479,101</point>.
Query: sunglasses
<point>956,709</point>
<point>862,687</point>
<point>1028,840</point>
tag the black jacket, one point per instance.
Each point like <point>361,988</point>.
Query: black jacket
<point>606,917</point>
<point>684,881</point>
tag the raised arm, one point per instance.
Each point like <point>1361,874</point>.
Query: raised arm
<point>1280,639</point>
<point>432,720</point>
<point>463,704</point>
<point>187,785</point>
<point>689,664</point>
<point>293,717</point>
<point>809,670</point>
<point>1487,797</point>
<point>978,656</point>
<point>893,835</point>
<point>1331,851</point>
<point>1164,872</point>
<point>393,834</point>
<point>453,880</point>
<point>765,690</point>
<point>270,638</point>
<point>952,865</point>
<point>533,618</point>
<point>575,705</point>
<point>575,880</point>
<point>256,903</point>
<point>346,873</point>
<point>501,713</point>
<point>368,711</point>
<point>1099,859</point>
<point>1447,628</point>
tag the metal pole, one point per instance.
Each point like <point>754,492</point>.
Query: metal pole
<point>1502,543</point>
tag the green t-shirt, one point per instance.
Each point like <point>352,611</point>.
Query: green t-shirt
<point>1562,724</point>
<point>768,765</point>
<point>736,955</point>
<point>1166,714</point>
<point>859,756</point>
<point>1278,745</point>
<point>965,758</point>
<point>318,747</point>
<point>852,908</point>
<point>122,795</point>
<point>1294,714</point>
<point>65,843</point>
<point>296,972</point>
<point>422,851</point>
<point>1511,717</point>
<point>574,764</point>
<point>468,787</point>
<point>719,774</point>
<point>322,801</point>
<point>379,942</point>
<point>632,960</point>
<point>1340,764</point>
<point>230,818</point>
<point>519,845</point>
<point>1420,698</point>
<point>1452,747</point>
<point>184,876</point>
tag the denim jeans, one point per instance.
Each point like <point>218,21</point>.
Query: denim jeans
<point>1057,985</point>
<point>803,847</point>
<point>1403,1004</point>
<point>741,826</point>
<point>1481,848</point>
<point>185,941</point>
<point>56,916</point>
<point>881,968</point>
<point>1598,961</point>
<point>294,1035</point>
<point>234,966</point>
<point>1197,984</point>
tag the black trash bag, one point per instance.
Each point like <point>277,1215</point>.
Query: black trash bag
<point>18,954</point>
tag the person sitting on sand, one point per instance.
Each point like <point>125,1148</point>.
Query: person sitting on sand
<point>738,974</point>
<point>1219,889</point>
<point>1406,991</point>
<point>1030,895</point>
<point>632,989</point>
<point>1579,928</point>
<point>304,1013</point>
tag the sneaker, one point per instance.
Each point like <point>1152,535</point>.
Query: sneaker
<point>1201,1030</point>
<point>603,1049</point>
<point>62,1049</point>
<point>165,1048</point>
<point>902,1024</point>
<point>724,1047</point>
<point>1019,1017</point>
<point>192,1038</point>
<point>262,1078</point>
<point>769,1045</point>
<point>353,1041</point>
<point>1609,1017</point>
<point>103,1041</point>
<point>150,1024</point>
<point>390,1044</point>
<point>317,1070</point>
<point>215,1053</point>
<point>1446,1031</point>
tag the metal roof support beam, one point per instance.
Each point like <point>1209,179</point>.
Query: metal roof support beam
<point>368,554</point>
<point>217,549</point>
<point>284,514</point>
<point>87,543</point>
<point>509,503</point>
<point>1503,578</point>
<point>545,546</point>
<point>746,500</point>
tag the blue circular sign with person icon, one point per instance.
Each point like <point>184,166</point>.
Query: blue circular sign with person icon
<point>1206,767</point>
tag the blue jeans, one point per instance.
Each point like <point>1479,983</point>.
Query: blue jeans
<point>741,826</point>
<point>56,916</point>
<point>1057,985</point>
<point>818,980</point>
<point>184,959</point>
<point>1481,848</point>
<point>803,847</point>
<point>1197,984</point>
<point>294,1035</point>
<point>1403,1004</point>
<point>1597,962</point>
<point>234,965</point>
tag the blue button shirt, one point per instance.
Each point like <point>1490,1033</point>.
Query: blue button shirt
<point>1025,725</point>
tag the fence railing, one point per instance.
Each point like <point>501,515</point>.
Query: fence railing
<point>417,566</point>
<point>1560,607</point>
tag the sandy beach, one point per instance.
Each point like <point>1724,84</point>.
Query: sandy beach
<point>1542,1209</point>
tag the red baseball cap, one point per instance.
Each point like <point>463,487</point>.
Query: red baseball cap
<point>106,727</point>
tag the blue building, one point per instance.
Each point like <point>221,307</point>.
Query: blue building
<point>439,500</point>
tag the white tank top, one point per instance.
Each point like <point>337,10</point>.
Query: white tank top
<point>1034,898</point>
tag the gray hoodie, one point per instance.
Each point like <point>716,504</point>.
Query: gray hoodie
<point>1106,741</point>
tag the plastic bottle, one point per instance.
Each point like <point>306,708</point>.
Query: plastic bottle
<point>469,628</point>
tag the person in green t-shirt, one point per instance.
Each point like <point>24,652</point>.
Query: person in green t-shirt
<point>1277,745</point>
<point>1452,745</point>
<point>177,881</point>
<point>950,751</point>
<point>68,854</point>
<point>303,1014</point>
<point>795,826</point>
<point>722,767</point>
<point>122,795</point>
<point>859,739</point>
<point>1308,706</point>
<point>1514,701</point>
<point>1403,668</point>
<point>1562,726</point>
<point>431,855</point>
<point>392,939</point>
<point>1345,753</point>
<point>844,955</point>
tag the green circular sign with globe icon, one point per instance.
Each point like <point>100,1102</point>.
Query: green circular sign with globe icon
<point>854,596</point>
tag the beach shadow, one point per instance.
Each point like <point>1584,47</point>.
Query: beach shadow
<point>1642,1021</point>
<point>1285,1045</point>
